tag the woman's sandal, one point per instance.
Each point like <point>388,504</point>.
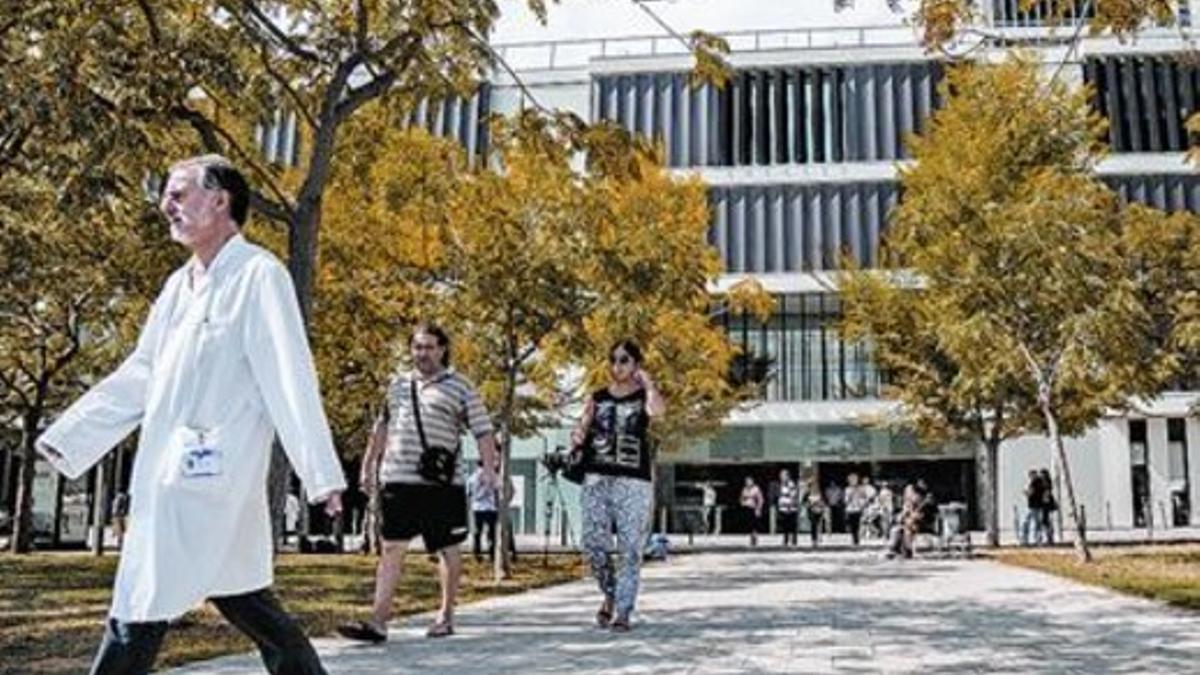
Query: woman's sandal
<point>440,629</point>
<point>362,632</point>
<point>620,625</point>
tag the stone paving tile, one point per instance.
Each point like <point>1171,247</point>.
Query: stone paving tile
<point>796,612</point>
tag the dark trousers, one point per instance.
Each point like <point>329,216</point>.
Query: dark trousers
<point>489,519</point>
<point>787,526</point>
<point>853,523</point>
<point>484,519</point>
<point>130,648</point>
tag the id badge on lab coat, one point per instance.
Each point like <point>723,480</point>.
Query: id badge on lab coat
<point>200,459</point>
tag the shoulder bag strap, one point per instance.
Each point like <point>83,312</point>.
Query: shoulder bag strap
<point>416,404</point>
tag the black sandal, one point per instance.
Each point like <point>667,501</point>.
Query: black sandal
<point>440,629</point>
<point>620,625</point>
<point>362,632</point>
<point>604,615</point>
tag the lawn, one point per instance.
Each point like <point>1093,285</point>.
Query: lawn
<point>1170,574</point>
<point>52,606</point>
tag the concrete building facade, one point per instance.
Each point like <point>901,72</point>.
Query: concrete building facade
<point>801,152</point>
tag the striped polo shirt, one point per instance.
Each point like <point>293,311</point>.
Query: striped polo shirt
<point>449,406</point>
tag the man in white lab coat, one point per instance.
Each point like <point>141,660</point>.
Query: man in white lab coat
<point>222,365</point>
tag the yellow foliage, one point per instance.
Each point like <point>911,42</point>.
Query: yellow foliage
<point>533,267</point>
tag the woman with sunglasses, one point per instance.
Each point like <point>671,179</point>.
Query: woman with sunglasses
<point>617,488</point>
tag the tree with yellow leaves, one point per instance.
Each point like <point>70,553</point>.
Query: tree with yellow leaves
<point>76,276</point>
<point>1030,289</point>
<point>536,268</point>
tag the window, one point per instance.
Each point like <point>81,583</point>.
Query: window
<point>809,360</point>
<point>1140,477</point>
<point>1177,472</point>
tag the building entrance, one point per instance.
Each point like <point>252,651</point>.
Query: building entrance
<point>949,479</point>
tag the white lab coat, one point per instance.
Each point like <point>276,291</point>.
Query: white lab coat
<point>230,357</point>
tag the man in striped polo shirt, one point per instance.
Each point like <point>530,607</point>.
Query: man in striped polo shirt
<point>410,504</point>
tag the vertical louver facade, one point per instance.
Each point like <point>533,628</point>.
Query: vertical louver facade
<point>458,118</point>
<point>1147,100</point>
<point>1008,13</point>
<point>799,228</point>
<point>773,116</point>
<point>1169,192</point>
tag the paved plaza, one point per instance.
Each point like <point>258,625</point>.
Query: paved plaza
<point>797,612</point>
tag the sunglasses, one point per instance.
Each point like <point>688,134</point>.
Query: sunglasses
<point>623,359</point>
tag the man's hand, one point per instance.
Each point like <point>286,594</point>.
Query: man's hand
<point>48,451</point>
<point>368,478</point>
<point>333,505</point>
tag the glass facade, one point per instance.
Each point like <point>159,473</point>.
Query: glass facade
<point>809,360</point>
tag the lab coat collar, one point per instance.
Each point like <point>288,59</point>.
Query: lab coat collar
<point>227,253</point>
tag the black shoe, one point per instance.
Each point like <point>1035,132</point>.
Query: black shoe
<point>362,632</point>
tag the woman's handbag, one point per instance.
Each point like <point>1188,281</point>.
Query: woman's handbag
<point>436,464</point>
<point>576,464</point>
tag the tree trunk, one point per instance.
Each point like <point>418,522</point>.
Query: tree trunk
<point>6,468</point>
<point>302,261</point>
<point>991,490</point>
<point>502,563</point>
<point>98,511</point>
<point>1081,545</point>
<point>22,534</point>
<point>278,477</point>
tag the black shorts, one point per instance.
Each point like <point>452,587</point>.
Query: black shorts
<point>436,512</point>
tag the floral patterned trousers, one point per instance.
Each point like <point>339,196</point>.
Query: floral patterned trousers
<point>625,502</point>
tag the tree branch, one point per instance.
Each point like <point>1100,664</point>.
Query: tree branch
<point>512,73</point>
<point>151,21</point>
<point>269,208</point>
<point>274,33</point>
<point>359,96</point>
<point>212,136</point>
<point>641,4</point>
<point>10,384</point>
<point>360,24</point>
<point>1074,43</point>
<point>287,87</point>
